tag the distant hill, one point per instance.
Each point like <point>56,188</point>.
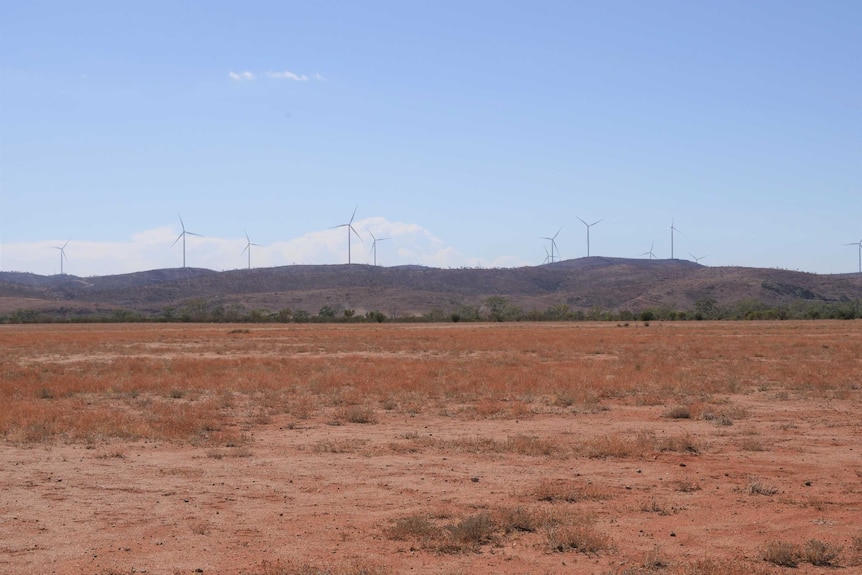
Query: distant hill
<point>582,284</point>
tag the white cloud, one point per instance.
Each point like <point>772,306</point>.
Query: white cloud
<point>241,76</point>
<point>151,249</point>
<point>288,75</point>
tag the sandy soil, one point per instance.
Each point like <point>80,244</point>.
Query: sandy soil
<point>158,508</point>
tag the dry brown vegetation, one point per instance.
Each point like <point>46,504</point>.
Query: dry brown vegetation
<point>513,448</point>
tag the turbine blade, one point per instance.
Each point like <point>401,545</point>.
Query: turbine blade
<point>354,213</point>
<point>178,239</point>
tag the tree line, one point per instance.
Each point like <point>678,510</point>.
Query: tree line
<point>492,309</point>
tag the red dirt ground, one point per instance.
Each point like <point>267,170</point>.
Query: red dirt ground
<point>310,496</point>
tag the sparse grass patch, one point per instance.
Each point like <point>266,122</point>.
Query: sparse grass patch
<point>819,553</point>
<point>358,414</point>
<point>686,486</point>
<point>348,445</point>
<point>751,444</point>
<point>781,553</point>
<point>465,535</point>
<point>355,567</point>
<point>569,491</point>
<point>582,538</point>
<point>678,412</point>
<point>758,487</point>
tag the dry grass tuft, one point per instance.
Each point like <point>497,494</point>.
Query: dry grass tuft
<point>466,535</point>
<point>757,487</point>
<point>582,538</point>
<point>820,554</point>
<point>569,491</point>
<point>292,568</point>
<point>358,414</point>
<point>678,412</point>
<point>781,553</point>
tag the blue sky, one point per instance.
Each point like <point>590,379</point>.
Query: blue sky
<point>463,131</point>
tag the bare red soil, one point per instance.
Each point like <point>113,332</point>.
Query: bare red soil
<point>568,448</point>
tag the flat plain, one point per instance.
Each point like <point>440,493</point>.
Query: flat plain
<point>614,449</point>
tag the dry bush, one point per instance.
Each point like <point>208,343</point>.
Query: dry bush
<point>751,444</point>
<point>653,505</point>
<point>757,487</point>
<point>359,414</point>
<point>678,412</point>
<point>417,527</point>
<point>819,553</point>
<point>355,567</point>
<point>469,534</point>
<point>639,444</point>
<point>722,567</point>
<point>855,550</point>
<point>465,535</point>
<point>582,538</point>
<point>781,553</point>
<point>619,445</point>
<point>530,445</point>
<point>510,519</point>
<point>686,486</point>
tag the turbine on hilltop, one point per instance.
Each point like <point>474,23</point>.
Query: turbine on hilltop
<point>374,245</point>
<point>650,253</point>
<point>588,231</point>
<point>349,226</point>
<point>248,248</point>
<point>183,235</point>
<point>553,240</point>
<point>62,254</point>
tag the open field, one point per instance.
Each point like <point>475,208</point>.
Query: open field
<point>674,448</point>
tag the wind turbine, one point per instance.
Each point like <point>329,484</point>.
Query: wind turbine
<point>859,243</point>
<point>547,256</point>
<point>695,258</point>
<point>588,231</point>
<point>62,254</point>
<point>374,245</point>
<point>649,253</point>
<point>183,235</point>
<point>553,240</point>
<point>349,226</point>
<point>672,230</point>
<point>248,248</point>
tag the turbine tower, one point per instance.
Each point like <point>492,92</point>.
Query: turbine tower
<point>649,253</point>
<point>349,226</point>
<point>62,254</point>
<point>588,231</point>
<point>374,245</point>
<point>183,235</point>
<point>859,243</point>
<point>672,230</point>
<point>248,248</point>
<point>553,240</point>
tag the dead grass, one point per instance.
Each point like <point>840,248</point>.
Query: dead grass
<point>468,534</point>
<point>102,374</point>
<point>554,490</point>
<point>354,567</point>
<point>815,552</point>
<point>759,487</point>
